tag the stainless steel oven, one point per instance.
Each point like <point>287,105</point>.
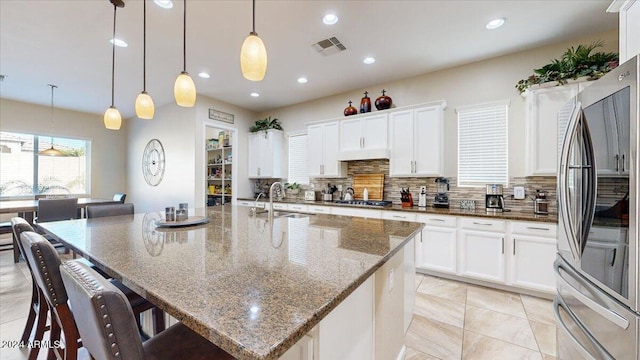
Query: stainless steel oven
<point>597,269</point>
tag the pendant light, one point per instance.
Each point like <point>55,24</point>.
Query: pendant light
<point>112,117</point>
<point>144,102</point>
<point>184,90</point>
<point>51,151</point>
<point>253,55</point>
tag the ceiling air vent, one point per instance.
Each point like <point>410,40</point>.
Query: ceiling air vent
<point>329,46</point>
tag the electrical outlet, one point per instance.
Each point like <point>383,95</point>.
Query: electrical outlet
<point>339,187</point>
<point>390,280</point>
<point>518,192</point>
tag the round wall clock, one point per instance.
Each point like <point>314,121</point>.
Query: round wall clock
<point>153,162</point>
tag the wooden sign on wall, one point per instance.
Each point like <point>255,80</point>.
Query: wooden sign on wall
<point>220,116</point>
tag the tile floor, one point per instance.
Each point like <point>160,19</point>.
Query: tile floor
<point>452,320</point>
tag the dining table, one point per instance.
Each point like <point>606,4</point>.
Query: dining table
<point>254,285</point>
<point>27,209</point>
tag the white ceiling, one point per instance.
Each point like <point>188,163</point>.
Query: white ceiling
<point>66,43</point>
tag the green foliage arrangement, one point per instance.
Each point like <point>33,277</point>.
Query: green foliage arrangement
<point>265,124</point>
<point>574,63</point>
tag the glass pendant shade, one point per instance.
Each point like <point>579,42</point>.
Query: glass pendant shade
<point>112,118</point>
<point>51,152</point>
<point>144,106</point>
<point>253,58</point>
<point>184,90</point>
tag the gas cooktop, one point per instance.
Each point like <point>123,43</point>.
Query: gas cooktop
<point>364,202</point>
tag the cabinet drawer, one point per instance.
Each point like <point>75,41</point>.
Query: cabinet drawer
<point>437,220</point>
<point>279,206</point>
<point>250,203</point>
<point>297,207</point>
<point>398,215</point>
<point>319,209</point>
<point>534,228</point>
<point>482,224</point>
<point>349,211</point>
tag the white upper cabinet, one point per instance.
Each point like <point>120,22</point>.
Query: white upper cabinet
<point>364,138</point>
<point>265,154</point>
<point>322,151</point>
<point>416,141</point>
<point>629,29</point>
<point>543,131</point>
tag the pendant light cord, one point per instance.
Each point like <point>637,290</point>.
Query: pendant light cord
<point>254,16</point>
<point>52,87</point>
<point>184,36</point>
<point>144,46</point>
<point>113,57</point>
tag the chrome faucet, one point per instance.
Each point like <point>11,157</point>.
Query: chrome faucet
<point>271,194</point>
<point>254,209</point>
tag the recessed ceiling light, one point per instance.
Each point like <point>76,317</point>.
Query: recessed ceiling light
<point>204,75</point>
<point>118,42</point>
<point>255,94</point>
<point>302,80</point>
<point>494,24</point>
<point>369,60</point>
<point>165,4</point>
<point>330,19</point>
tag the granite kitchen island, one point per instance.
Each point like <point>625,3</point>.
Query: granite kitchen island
<point>323,286</point>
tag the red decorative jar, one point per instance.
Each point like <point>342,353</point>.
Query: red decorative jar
<point>383,102</point>
<point>350,110</point>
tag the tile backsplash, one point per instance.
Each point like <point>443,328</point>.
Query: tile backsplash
<point>393,185</point>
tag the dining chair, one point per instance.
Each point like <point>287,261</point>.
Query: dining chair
<point>108,329</point>
<point>95,211</point>
<point>57,209</point>
<point>38,308</point>
<point>119,197</point>
<point>45,263</point>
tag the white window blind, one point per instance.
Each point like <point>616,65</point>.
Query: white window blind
<point>482,144</point>
<point>298,169</point>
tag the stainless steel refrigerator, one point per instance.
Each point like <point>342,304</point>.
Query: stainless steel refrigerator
<point>597,304</point>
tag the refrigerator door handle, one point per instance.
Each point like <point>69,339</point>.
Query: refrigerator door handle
<point>601,310</point>
<point>559,303</point>
<point>563,201</point>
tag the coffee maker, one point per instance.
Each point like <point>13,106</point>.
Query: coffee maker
<point>441,199</point>
<point>494,199</point>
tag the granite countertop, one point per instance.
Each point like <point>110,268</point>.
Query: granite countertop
<point>508,215</point>
<point>252,286</point>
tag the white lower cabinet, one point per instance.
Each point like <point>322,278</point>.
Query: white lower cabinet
<point>533,251</point>
<point>482,255</point>
<point>437,248</point>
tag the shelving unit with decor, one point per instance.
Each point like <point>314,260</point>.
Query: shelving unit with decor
<point>219,177</point>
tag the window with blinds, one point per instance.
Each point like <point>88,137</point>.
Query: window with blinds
<point>482,144</point>
<point>298,169</point>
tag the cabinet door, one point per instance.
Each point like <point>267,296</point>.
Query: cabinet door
<point>532,262</point>
<point>438,249</point>
<point>375,132</point>
<point>428,141</point>
<point>332,167</point>
<point>482,255</point>
<point>315,149</point>
<point>265,156</point>
<point>254,155</point>
<point>351,138</point>
<point>401,143</point>
<point>543,106</point>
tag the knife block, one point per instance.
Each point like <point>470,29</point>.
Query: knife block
<point>407,201</point>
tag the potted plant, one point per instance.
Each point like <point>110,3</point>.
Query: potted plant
<point>265,124</point>
<point>574,63</point>
<point>293,189</point>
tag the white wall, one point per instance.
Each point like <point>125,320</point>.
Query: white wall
<point>108,147</point>
<point>182,134</point>
<point>483,81</point>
